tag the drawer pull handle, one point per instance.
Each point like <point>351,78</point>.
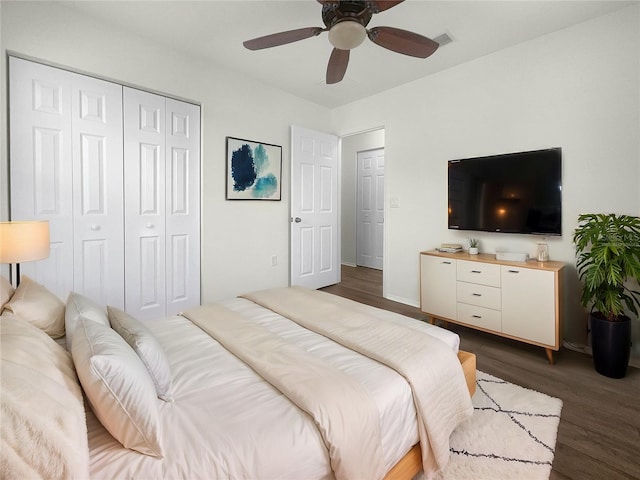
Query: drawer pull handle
<point>447,263</point>
<point>476,271</point>
<point>513,271</point>
<point>476,294</point>
<point>476,316</point>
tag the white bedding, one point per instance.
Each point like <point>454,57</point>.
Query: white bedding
<point>222,410</point>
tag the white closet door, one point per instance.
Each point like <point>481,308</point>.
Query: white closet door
<point>183,206</point>
<point>40,164</point>
<point>66,167</point>
<point>98,221</point>
<point>144,192</point>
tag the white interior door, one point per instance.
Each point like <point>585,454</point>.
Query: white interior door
<point>98,219</point>
<point>144,187</point>
<point>315,249</point>
<point>370,209</point>
<point>41,164</point>
<point>183,206</point>
<point>66,167</point>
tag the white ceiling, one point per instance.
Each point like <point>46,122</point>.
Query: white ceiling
<point>214,31</point>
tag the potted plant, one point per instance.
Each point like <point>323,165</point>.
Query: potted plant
<point>608,249</point>
<point>473,246</point>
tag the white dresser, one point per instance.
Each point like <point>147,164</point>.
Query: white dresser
<point>518,300</point>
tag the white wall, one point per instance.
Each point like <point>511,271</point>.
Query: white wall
<point>351,145</point>
<point>577,89</point>
<point>238,238</point>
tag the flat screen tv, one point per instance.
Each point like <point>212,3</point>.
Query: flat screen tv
<point>511,193</point>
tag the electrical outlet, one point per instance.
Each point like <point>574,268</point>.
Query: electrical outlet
<point>274,260</point>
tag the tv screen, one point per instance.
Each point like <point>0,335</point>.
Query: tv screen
<point>510,193</point>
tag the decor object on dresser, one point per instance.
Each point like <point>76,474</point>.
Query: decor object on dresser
<point>608,249</point>
<point>254,170</point>
<point>23,242</point>
<point>542,252</point>
<point>473,246</point>
<point>518,300</point>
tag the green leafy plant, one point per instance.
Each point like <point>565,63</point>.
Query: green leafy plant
<point>473,242</point>
<point>608,249</point>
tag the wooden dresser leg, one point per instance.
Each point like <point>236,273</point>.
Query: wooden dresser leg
<point>550,355</point>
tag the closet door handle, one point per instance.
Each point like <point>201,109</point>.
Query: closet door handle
<point>94,228</point>
<point>149,225</point>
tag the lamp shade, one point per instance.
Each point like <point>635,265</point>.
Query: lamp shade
<point>23,241</point>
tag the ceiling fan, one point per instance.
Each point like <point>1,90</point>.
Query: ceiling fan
<point>346,22</point>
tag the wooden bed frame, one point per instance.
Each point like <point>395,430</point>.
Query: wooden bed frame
<point>411,463</point>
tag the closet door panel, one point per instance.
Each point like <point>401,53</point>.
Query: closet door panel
<point>145,203</point>
<point>183,206</point>
<point>98,191</point>
<point>40,164</point>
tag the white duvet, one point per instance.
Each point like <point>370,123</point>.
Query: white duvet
<point>226,422</point>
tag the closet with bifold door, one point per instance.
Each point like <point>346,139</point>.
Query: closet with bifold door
<point>116,172</point>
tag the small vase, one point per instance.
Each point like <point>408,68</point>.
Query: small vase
<point>473,250</point>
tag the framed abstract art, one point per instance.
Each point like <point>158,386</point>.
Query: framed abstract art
<point>254,170</point>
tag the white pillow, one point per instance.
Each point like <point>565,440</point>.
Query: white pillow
<point>35,304</point>
<point>140,338</point>
<point>43,427</point>
<point>79,305</point>
<point>117,386</point>
<point>6,292</point>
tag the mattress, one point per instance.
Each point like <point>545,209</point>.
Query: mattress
<point>226,422</point>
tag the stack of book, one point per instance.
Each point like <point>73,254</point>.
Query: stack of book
<point>450,248</point>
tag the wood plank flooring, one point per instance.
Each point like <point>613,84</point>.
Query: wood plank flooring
<point>599,432</point>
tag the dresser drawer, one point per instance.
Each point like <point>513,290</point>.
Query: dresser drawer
<point>480,295</point>
<point>478,272</point>
<point>480,317</point>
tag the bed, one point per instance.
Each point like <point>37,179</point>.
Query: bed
<point>210,413</point>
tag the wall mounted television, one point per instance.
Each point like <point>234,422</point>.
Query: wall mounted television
<point>510,193</point>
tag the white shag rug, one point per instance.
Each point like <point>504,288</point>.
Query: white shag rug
<point>511,435</point>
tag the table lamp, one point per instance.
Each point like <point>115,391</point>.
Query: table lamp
<point>23,242</point>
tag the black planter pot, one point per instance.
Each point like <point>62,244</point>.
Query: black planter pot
<point>611,345</point>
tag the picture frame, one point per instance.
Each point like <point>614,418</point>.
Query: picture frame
<point>254,170</point>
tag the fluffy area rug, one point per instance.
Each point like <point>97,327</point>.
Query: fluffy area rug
<point>512,434</point>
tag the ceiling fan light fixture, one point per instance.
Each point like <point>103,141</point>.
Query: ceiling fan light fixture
<point>347,35</point>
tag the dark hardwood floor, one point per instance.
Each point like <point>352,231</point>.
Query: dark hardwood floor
<point>599,432</point>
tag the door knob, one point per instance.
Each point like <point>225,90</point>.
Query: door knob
<point>297,219</point>
<point>149,225</point>
<point>95,227</point>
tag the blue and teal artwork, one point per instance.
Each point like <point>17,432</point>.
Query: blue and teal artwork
<point>254,170</point>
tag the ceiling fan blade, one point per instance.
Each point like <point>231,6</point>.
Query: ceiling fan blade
<point>403,41</point>
<point>337,66</point>
<point>282,38</point>
<point>381,5</point>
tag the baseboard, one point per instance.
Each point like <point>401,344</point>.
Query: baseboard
<point>348,264</point>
